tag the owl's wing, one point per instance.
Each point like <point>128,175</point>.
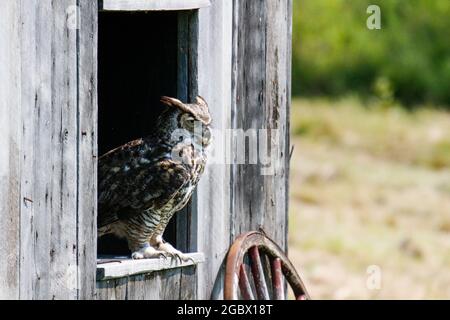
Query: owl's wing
<point>114,182</point>
<point>135,177</point>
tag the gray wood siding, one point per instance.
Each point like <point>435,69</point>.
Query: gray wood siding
<point>9,149</point>
<point>186,219</point>
<point>173,284</point>
<point>154,5</point>
<point>87,150</point>
<point>53,117</point>
<point>261,100</point>
<point>240,63</point>
<point>213,194</point>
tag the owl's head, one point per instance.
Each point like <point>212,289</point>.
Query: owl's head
<point>193,117</point>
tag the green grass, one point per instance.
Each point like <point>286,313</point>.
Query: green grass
<point>370,185</point>
<point>420,137</point>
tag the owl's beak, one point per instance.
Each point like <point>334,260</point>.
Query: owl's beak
<point>206,137</point>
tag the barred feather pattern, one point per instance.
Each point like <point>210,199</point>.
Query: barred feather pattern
<point>141,184</point>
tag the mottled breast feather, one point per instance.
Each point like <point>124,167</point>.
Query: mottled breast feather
<point>144,182</point>
<point>136,177</point>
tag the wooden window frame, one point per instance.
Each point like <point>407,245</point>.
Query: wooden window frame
<point>187,90</point>
<point>152,5</point>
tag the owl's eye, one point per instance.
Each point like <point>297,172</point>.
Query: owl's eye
<point>189,120</point>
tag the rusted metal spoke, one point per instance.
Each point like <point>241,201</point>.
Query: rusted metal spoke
<point>258,274</point>
<point>277,280</point>
<point>244,284</point>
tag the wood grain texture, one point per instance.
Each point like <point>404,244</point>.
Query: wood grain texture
<point>261,88</point>
<point>173,284</point>
<point>244,284</point>
<point>212,202</point>
<point>183,218</point>
<point>10,126</point>
<point>249,58</point>
<point>126,267</point>
<point>238,60</point>
<point>87,149</point>
<point>277,280</point>
<point>37,149</point>
<point>54,104</point>
<point>153,5</point>
<point>278,91</point>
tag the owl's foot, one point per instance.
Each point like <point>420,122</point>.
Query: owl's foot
<point>148,252</point>
<point>172,252</point>
<point>167,248</point>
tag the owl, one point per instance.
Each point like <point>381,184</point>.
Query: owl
<point>144,182</point>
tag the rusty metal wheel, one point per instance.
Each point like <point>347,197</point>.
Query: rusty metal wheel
<point>255,253</point>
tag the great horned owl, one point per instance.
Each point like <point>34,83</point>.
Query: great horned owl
<point>144,182</point>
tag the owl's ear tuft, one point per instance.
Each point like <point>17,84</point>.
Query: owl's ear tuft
<point>200,101</point>
<point>199,109</point>
<point>171,101</point>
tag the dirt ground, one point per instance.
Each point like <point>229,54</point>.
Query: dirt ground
<point>370,200</point>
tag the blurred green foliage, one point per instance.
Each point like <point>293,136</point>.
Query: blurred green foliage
<point>408,60</point>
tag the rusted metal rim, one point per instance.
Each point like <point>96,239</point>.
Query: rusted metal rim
<point>235,259</point>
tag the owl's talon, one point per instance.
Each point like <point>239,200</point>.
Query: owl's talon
<point>174,253</point>
<point>191,259</point>
<point>178,258</point>
<point>164,255</point>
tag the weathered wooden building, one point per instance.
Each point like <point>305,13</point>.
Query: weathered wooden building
<point>77,77</point>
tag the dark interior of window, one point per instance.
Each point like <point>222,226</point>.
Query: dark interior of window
<point>137,64</point>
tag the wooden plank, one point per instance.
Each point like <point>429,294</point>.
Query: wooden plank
<point>187,90</point>
<point>103,290</point>
<point>42,146</point>
<point>277,91</point>
<point>153,5</point>
<point>288,147</point>
<point>87,149</point>
<point>58,94</point>
<point>106,290</point>
<point>213,197</point>
<point>145,287</point>
<point>121,288</point>
<point>137,286</point>
<point>157,285</point>
<point>113,289</point>
<point>63,140</point>
<point>183,217</point>
<point>46,112</point>
<point>36,183</point>
<point>188,283</point>
<point>192,93</point>
<point>129,267</point>
<point>277,280</point>
<point>267,268</point>
<point>261,100</point>
<point>248,110</point>
<point>261,84</point>
<point>10,127</point>
<point>170,281</point>
<point>244,284</point>
<point>258,274</point>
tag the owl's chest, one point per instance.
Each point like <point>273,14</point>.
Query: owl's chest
<point>193,162</point>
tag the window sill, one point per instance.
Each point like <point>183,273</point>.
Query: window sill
<point>118,267</point>
<point>152,5</point>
